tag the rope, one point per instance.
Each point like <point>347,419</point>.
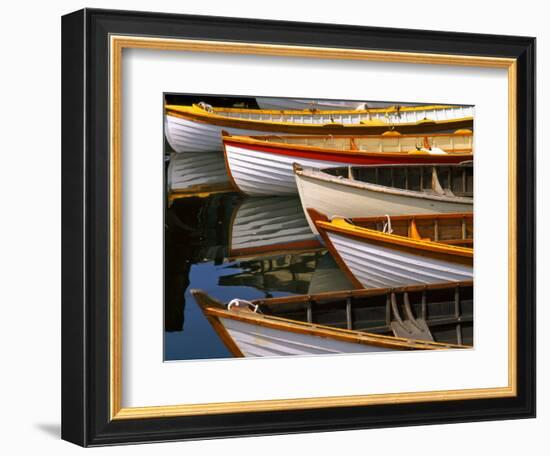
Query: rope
<point>238,302</point>
<point>387,225</point>
<point>205,106</point>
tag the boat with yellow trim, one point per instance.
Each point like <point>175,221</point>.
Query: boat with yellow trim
<point>403,250</point>
<point>433,317</point>
<point>197,128</point>
<point>262,165</point>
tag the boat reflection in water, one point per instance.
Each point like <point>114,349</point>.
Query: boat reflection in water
<point>196,174</point>
<point>272,245</point>
<point>230,245</point>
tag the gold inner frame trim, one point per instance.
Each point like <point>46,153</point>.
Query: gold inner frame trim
<point>117,44</point>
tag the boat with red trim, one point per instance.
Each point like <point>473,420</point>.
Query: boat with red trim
<point>263,165</point>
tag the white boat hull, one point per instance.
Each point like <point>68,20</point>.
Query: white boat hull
<point>333,199</point>
<point>259,173</point>
<point>185,135</point>
<point>376,266</point>
<point>259,341</point>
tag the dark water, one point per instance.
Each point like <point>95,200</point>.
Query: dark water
<point>202,243</point>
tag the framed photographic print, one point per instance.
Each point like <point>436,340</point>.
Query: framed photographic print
<point>269,227</point>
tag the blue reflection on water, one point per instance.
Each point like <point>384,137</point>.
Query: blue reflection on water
<point>198,340</point>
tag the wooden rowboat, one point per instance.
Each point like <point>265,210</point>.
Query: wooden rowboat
<point>370,191</point>
<point>262,165</point>
<point>359,321</point>
<point>399,251</point>
<point>198,128</point>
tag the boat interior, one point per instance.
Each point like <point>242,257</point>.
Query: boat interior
<point>441,314</point>
<point>384,115</point>
<point>449,180</point>
<point>453,229</point>
<point>460,142</point>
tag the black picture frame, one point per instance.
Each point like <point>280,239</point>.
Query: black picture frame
<point>85,225</point>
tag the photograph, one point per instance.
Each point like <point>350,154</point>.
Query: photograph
<point>316,226</point>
